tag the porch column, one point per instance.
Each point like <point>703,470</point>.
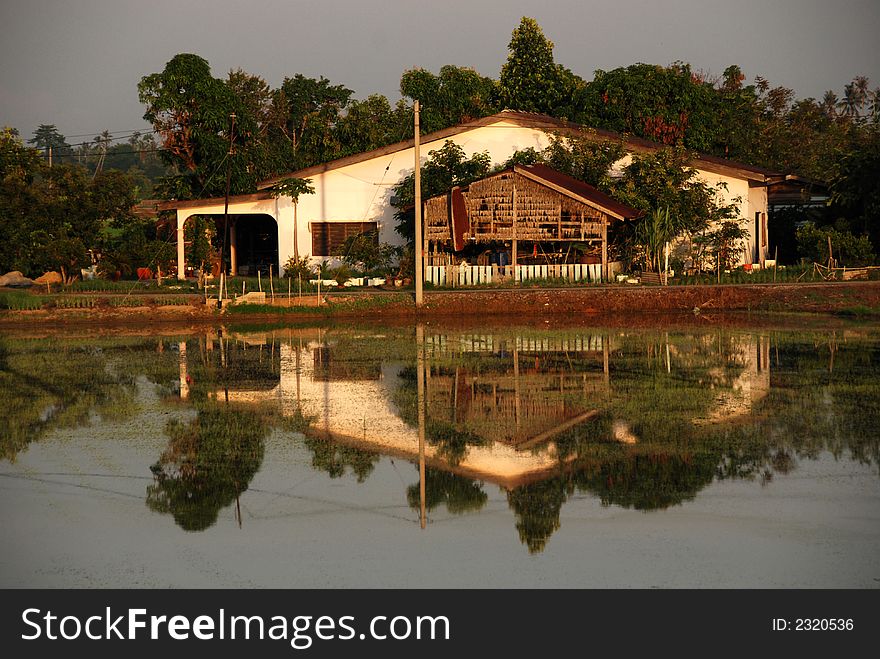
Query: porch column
<point>180,257</point>
<point>233,253</point>
<point>605,276</point>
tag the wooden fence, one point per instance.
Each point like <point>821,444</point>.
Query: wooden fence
<point>472,275</point>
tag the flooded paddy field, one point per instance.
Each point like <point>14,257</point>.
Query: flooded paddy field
<point>442,456</point>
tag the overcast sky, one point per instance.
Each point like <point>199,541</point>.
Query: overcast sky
<point>76,63</point>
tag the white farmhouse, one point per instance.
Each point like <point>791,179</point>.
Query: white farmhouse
<point>353,194</point>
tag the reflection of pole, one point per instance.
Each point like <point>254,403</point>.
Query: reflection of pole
<point>420,375</point>
<point>181,360</point>
<point>516,385</point>
<point>606,353</point>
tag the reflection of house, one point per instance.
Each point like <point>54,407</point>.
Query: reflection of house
<point>529,391</point>
<point>352,402</point>
<point>516,394</point>
<point>737,398</point>
<point>353,194</point>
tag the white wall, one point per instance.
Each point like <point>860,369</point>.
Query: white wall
<point>361,192</point>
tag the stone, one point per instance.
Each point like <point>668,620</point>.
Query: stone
<point>15,279</point>
<point>50,277</point>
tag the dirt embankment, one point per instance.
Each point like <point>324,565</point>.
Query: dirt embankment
<point>819,298</point>
<point>506,305</point>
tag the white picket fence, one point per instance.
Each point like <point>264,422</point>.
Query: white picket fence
<point>471,275</point>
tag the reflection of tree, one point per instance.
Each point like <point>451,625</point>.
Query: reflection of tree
<point>460,494</point>
<point>648,481</point>
<point>46,385</point>
<point>537,507</point>
<point>333,458</point>
<point>209,462</point>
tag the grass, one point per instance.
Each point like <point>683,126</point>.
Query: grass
<point>75,302</point>
<point>21,301</point>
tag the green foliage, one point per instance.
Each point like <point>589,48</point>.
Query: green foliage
<point>341,274</point>
<point>292,187</point>
<point>21,301</point>
<point>199,233</point>
<point>456,95</point>
<point>855,186</point>
<point>655,232</point>
<point>364,252</point>
<point>52,217</point>
<point>584,159</point>
<point>848,250</point>
<point>298,267</point>
<point>670,105</point>
<point>722,245</point>
<point>531,80</point>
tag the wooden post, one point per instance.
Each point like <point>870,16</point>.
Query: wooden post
<point>605,251</point>
<point>259,281</point>
<point>419,247</point>
<point>288,291</point>
<point>514,247</point>
<point>271,285</point>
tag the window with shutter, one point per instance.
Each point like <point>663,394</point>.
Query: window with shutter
<point>329,237</point>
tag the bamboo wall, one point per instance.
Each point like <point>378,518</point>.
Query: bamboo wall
<point>542,214</point>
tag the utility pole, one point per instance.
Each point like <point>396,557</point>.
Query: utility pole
<point>226,206</point>
<point>418,199</point>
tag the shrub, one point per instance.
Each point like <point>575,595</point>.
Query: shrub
<point>847,249</point>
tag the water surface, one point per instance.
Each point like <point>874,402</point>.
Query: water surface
<point>442,457</point>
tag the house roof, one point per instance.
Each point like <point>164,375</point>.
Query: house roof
<point>547,124</point>
<point>577,189</point>
<point>214,201</point>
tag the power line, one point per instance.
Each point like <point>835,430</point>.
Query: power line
<point>129,132</point>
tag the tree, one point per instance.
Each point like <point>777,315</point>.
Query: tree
<point>456,95</point>
<point>312,109</point>
<point>46,137</point>
<point>530,79</point>
<point>669,105</point>
<point>190,111</point>
<point>584,159</point>
<point>855,186</point>
<point>370,124</point>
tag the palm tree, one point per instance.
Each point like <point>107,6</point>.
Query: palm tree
<point>829,104</point>
<point>849,106</point>
<point>875,104</point>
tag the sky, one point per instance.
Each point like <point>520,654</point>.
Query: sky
<point>76,63</point>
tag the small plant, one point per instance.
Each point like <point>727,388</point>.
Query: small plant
<point>21,301</point>
<point>298,268</point>
<point>74,302</point>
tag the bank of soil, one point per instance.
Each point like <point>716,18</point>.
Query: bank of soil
<point>511,305</point>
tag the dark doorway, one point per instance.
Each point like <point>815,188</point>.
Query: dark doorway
<point>256,243</point>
